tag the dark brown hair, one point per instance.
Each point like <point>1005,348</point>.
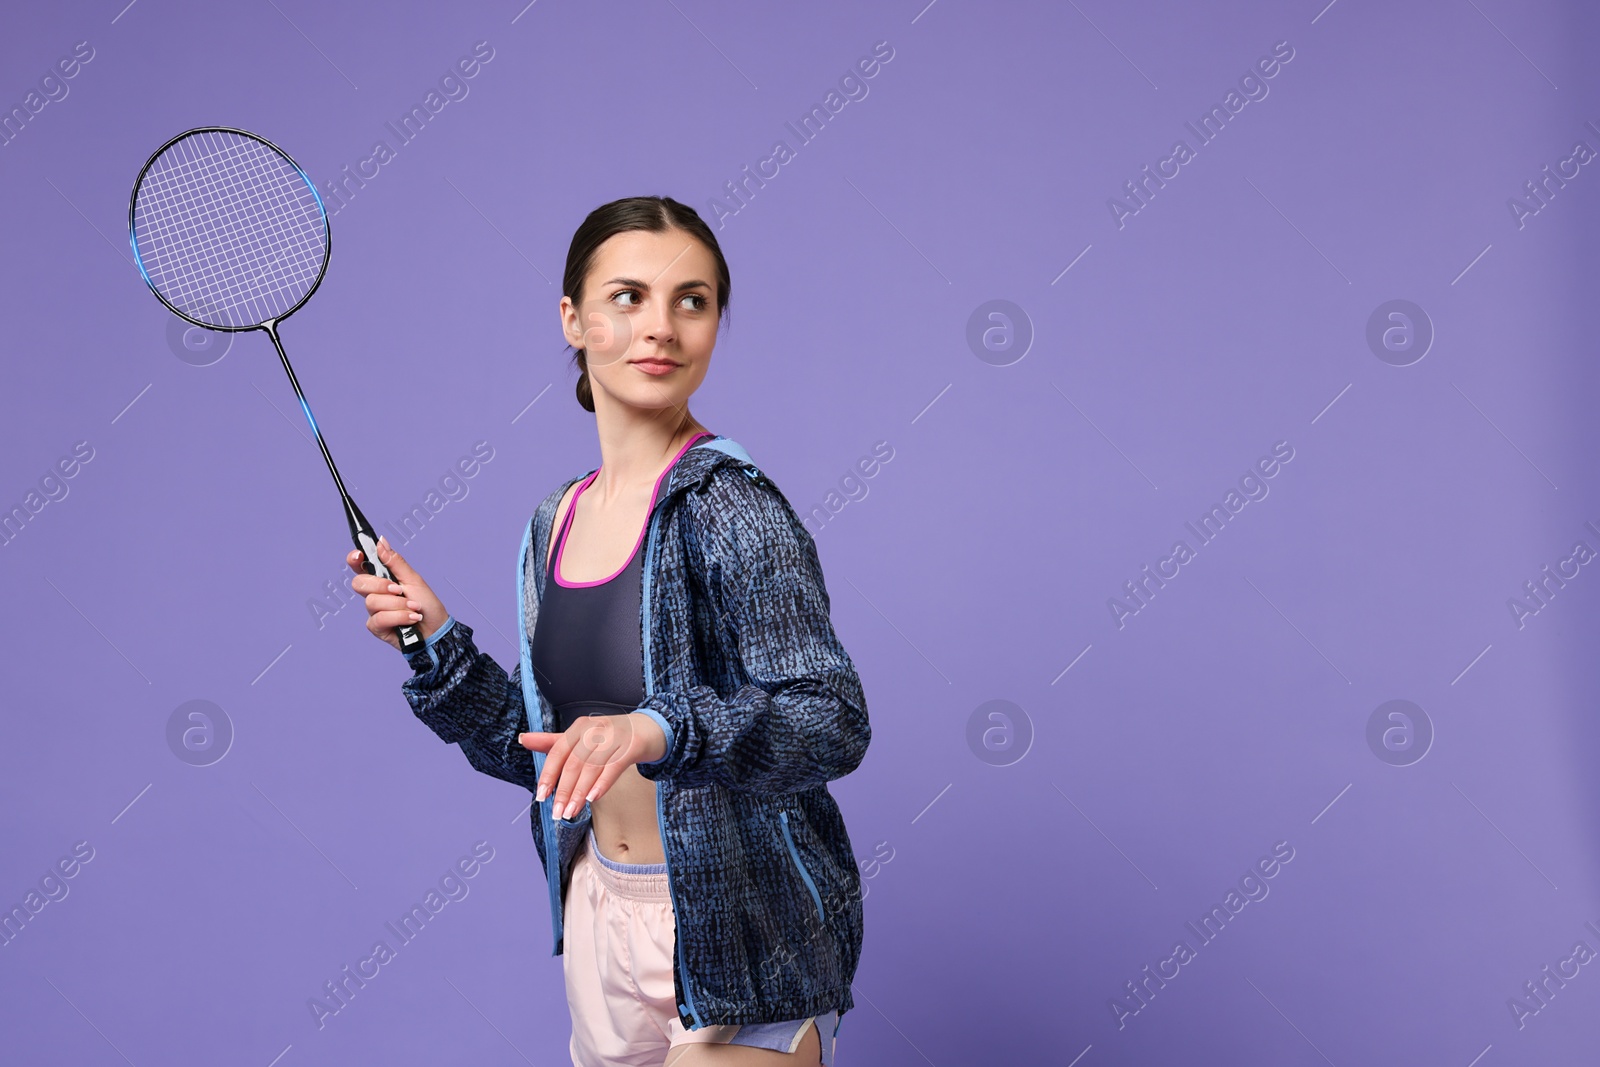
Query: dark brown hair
<point>656,214</point>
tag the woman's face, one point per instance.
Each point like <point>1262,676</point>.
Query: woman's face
<point>648,320</point>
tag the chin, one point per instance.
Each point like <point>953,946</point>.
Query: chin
<point>659,398</point>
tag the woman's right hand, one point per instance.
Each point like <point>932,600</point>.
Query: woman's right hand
<point>391,605</point>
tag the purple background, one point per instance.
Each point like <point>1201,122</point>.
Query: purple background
<point>1015,884</point>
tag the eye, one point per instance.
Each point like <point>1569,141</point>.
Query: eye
<point>621,292</point>
<point>701,306</point>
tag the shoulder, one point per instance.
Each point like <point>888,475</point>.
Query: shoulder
<point>753,546</point>
<point>739,510</point>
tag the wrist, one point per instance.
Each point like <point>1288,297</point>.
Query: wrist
<point>426,658</point>
<point>653,745</point>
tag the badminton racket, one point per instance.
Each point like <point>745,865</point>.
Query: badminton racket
<point>231,235</point>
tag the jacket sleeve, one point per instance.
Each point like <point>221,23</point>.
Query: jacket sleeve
<point>800,720</point>
<point>464,696</point>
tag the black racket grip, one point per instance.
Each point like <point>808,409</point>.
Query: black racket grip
<point>411,639</point>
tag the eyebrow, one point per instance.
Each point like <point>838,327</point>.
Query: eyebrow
<point>637,284</point>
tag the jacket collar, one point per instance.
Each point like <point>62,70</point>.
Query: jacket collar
<point>696,465</point>
<point>692,470</point>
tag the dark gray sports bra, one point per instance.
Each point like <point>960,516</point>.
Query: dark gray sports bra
<point>587,656</point>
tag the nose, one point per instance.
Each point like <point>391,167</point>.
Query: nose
<point>657,324</point>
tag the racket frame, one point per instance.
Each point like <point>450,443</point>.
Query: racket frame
<point>361,531</point>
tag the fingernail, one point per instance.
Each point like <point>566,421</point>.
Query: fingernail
<point>538,798</point>
<point>590,796</point>
<point>415,617</point>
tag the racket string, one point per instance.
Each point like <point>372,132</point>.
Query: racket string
<point>234,211</point>
<point>228,230</point>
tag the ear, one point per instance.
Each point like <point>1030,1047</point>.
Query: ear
<point>571,329</point>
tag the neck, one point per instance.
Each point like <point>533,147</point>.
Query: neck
<point>634,451</point>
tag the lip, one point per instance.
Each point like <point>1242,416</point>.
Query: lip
<point>654,366</point>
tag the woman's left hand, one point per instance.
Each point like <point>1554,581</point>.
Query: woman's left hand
<point>582,763</point>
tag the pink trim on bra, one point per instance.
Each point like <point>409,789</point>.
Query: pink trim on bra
<point>572,508</point>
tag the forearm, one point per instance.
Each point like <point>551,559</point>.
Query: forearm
<point>466,698</point>
<point>809,733</point>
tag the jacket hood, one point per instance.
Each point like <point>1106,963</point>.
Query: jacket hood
<point>696,465</point>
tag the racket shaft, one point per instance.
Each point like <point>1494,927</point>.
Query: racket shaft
<point>361,530</point>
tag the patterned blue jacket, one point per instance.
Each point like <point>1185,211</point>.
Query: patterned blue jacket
<point>761,707</point>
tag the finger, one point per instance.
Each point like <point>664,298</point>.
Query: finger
<point>396,563</point>
<point>366,584</point>
<point>388,620</point>
<point>584,786</point>
<point>377,602</point>
<point>599,750</point>
<point>603,781</point>
<point>565,794</point>
<point>357,560</point>
<point>567,786</point>
<point>538,740</point>
<point>554,755</point>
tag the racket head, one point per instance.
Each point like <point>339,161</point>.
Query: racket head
<point>227,230</point>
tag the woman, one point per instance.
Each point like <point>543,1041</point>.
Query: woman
<point>681,699</point>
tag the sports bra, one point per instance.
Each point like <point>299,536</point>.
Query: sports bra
<point>587,655</point>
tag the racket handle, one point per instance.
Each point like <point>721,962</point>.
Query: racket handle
<point>411,639</point>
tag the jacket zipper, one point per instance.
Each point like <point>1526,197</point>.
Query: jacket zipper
<point>794,854</point>
<point>530,701</point>
<point>661,817</point>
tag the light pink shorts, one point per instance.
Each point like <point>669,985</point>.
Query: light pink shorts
<point>619,936</point>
